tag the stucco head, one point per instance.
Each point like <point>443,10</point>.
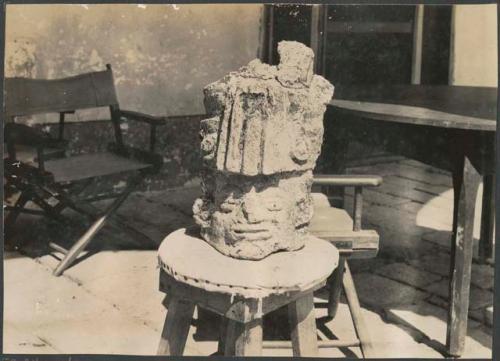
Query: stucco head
<point>251,217</point>
<point>258,148</point>
<point>266,119</point>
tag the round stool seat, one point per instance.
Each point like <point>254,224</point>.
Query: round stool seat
<point>189,259</point>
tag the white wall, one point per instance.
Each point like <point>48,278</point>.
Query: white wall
<point>474,55</point>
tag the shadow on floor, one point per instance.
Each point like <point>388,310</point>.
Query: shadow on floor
<point>154,214</point>
<point>423,248</point>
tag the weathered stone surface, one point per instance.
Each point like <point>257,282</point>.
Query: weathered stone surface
<point>251,218</point>
<point>366,264</point>
<point>438,301</point>
<point>479,298</point>
<point>266,119</point>
<point>474,314</point>
<point>482,276</point>
<point>428,326</point>
<point>437,262</point>
<point>440,238</point>
<point>379,292</point>
<point>258,149</point>
<point>408,275</point>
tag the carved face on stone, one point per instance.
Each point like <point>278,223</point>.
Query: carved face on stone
<point>258,148</point>
<point>253,218</point>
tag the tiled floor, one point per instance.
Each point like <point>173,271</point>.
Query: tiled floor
<point>110,304</point>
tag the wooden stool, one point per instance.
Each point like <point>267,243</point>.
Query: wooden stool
<point>194,273</point>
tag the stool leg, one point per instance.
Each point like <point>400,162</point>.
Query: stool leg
<point>221,347</point>
<point>335,286</point>
<point>365,341</point>
<point>243,339</point>
<point>176,327</point>
<point>303,326</point>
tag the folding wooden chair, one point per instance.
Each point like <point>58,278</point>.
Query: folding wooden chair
<point>338,227</point>
<point>37,168</point>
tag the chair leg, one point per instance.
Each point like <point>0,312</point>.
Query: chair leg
<point>365,341</point>
<point>303,326</point>
<point>79,246</point>
<point>176,327</point>
<point>335,287</point>
<point>49,210</point>
<point>11,218</point>
<point>115,220</point>
<point>84,240</point>
<point>75,190</point>
<point>243,339</point>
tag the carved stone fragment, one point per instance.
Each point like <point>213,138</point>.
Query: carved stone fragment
<point>258,148</point>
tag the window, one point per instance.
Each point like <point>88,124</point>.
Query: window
<point>367,44</point>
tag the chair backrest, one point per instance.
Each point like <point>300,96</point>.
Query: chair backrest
<point>24,96</point>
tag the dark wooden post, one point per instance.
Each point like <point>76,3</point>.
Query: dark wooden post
<point>319,19</point>
<point>466,181</point>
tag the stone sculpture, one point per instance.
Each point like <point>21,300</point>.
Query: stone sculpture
<point>259,148</point>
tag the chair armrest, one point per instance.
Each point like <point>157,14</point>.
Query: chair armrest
<point>142,117</point>
<point>347,180</point>
<point>25,135</point>
<point>356,181</point>
<point>153,122</point>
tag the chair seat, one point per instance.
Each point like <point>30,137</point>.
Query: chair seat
<point>91,165</point>
<point>328,218</point>
<point>336,226</point>
<point>191,260</point>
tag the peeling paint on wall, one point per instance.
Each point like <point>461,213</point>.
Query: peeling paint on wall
<point>162,55</point>
<point>21,59</point>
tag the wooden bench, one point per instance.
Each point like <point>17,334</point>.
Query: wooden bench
<point>38,168</point>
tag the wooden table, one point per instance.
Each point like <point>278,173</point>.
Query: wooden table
<point>449,127</point>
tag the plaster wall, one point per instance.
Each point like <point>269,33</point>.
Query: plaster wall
<point>162,55</point>
<point>474,59</point>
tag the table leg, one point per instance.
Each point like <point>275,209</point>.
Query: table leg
<point>487,219</point>
<point>466,181</point>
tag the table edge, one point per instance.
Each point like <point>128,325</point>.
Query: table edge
<point>481,124</point>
